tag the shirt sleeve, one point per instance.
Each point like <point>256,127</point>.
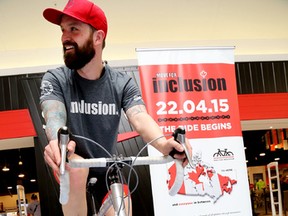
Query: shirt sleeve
<point>29,209</point>
<point>50,87</point>
<point>132,95</point>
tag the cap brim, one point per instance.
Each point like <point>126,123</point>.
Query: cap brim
<point>53,15</point>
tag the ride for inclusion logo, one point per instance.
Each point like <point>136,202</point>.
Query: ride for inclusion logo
<point>223,154</point>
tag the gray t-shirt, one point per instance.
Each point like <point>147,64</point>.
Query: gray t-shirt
<point>34,208</point>
<point>93,106</point>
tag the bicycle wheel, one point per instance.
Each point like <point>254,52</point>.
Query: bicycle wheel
<point>229,153</point>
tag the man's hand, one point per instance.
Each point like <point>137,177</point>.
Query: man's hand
<point>177,151</point>
<point>52,154</point>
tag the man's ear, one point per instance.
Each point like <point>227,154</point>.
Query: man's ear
<point>99,36</point>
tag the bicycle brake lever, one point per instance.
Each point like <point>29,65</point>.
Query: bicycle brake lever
<point>179,136</point>
<point>63,139</point>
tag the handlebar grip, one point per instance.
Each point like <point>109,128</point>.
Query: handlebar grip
<point>64,188</point>
<point>178,182</point>
<point>179,136</point>
<point>63,139</point>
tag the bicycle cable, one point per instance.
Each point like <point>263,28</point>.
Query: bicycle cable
<point>116,162</point>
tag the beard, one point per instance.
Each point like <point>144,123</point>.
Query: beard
<point>81,55</point>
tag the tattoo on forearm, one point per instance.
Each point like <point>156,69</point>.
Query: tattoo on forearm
<point>55,117</point>
<point>135,110</point>
<point>51,131</point>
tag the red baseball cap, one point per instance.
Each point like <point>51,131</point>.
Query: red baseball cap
<point>83,10</point>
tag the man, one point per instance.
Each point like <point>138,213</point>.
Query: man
<point>34,206</point>
<point>87,96</point>
<point>260,184</point>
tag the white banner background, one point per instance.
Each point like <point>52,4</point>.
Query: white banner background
<point>221,183</point>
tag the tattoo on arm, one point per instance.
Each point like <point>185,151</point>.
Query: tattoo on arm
<point>131,112</point>
<point>55,117</point>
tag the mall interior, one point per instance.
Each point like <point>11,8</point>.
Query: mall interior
<point>30,46</point>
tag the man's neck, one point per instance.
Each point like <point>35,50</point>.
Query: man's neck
<point>92,71</point>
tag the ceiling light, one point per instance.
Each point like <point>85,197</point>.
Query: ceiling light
<point>9,188</point>
<point>262,154</point>
<point>21,175</point>
<point>20,161</point>
<point>32,180</point>
<point>276,159</point>
<point>5,169</point>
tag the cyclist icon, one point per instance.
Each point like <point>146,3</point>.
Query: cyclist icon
<point>222,153</point>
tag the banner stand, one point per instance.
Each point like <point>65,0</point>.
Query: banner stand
<point>195,88</point>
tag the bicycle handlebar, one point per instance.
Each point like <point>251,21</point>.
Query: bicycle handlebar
<point>107,162</point>
<point>134,161</point>
<point>63,138</point>
<point>179,136</point>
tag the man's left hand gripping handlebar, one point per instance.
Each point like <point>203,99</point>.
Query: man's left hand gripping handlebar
<point>63,139</point>
<point>179,136</point>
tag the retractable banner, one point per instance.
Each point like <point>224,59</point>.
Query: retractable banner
<point>195,88</point>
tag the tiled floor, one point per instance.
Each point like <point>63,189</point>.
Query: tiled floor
<point>265,212</point>
<point>262,208</point>
<point>262,212</point>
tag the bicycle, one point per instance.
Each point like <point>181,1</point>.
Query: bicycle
<point>222,153</point>
<point>115,164</point>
